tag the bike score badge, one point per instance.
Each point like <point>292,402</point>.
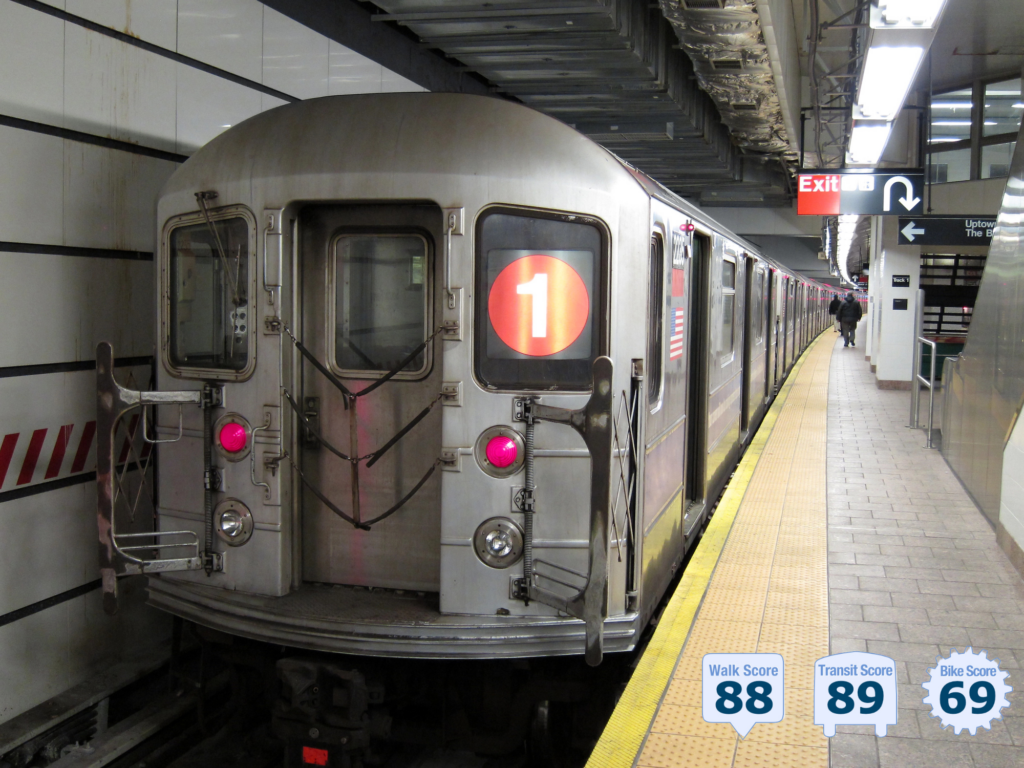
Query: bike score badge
<point>967,690</point>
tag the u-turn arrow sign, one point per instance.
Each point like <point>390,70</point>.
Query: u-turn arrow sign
<point>874,194</point>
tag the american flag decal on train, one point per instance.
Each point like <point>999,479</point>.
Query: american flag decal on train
<point>675,341</point>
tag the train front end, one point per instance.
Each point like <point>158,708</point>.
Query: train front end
<point>392,415</point>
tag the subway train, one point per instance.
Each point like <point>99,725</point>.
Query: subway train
<point>436,377</point>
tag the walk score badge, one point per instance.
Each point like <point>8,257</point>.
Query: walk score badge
<point>855,688</point>
<point>967,690</point>
<point>743,689</point>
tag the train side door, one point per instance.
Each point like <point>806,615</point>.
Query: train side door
<point>695,475</point>
<point>368,301</point>
<point>749,325</point>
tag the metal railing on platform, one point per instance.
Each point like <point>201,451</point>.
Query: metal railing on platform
<point>917,379</point>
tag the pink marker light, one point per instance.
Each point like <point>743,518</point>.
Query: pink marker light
<point>232,437</point>
<point>501,451</point>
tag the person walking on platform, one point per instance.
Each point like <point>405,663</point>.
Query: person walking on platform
<point>833,309</point>
<point>849,315</point>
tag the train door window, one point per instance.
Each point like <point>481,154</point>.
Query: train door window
<point>656,317</point>
<point>540,299</point>
<point>728,338</point>
<point>209,291</point>
<point>757,308</point>
<point>381,302</point>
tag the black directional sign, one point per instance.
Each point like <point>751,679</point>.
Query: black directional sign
<point>946,230</point>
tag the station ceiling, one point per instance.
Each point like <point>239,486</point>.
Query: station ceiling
<point>635,74</point>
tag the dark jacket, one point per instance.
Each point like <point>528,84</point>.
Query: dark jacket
<point>850,311</point>
<point>834,305</point>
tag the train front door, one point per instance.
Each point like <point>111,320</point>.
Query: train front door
<point>369,298</point>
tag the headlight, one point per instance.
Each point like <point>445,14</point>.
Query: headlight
<point>500,451</point>
<point>498,542</point>
<point>233,522</point>
<point>232,436</point>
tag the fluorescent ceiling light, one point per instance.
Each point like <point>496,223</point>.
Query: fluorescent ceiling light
<point>867,142</point>
<point>951,105</point>
<point>906,14</point>
<point>951,122</point>
<point>888,74</point>
<point>1018,105</point>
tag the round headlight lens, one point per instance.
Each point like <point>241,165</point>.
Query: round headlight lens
<point>498,542</point>
<point>233,437</point>
<point>234,523</point>
<point>231,523</point>
<point>501,451</point>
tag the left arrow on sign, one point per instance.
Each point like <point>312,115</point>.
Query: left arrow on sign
<point>910,231</point>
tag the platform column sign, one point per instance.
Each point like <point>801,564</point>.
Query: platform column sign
<point>946,230</point>
<point>829,193</point>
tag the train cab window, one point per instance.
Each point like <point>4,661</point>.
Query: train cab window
<point>380,301</point>
<point>540,299</point>
<point>728,338</point>
<point>656,315</point>
<point>209,295</point>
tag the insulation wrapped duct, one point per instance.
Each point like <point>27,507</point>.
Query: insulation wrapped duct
<point>725,40</point>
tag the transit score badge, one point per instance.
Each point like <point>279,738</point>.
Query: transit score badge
<point>855,688</point>
<point>967,690</point>
<point>743,689</point>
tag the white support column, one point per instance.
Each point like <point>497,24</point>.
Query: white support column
<point>866,331</point>
<point>894,334</point>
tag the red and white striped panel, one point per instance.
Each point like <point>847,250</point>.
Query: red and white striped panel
<point>675,340</point>
<point>58,451</point>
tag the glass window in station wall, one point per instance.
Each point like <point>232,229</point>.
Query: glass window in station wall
<point>951,117</point>
<point>995,160</point>
<point>952,165</point>
<point>1003,108</point>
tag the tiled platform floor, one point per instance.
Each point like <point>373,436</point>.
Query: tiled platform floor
<point>914,570</point>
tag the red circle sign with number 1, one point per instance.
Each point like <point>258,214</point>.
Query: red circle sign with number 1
<point>538,305</point>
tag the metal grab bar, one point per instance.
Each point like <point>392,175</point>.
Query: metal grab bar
<point>112,402</point>
<point>594,423</point>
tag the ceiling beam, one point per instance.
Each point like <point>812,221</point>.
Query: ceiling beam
<point>351,24</point>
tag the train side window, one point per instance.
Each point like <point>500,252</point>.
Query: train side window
<point>210,326</point>
<point>380,301</point>
<point>728,339</point>
<point>656,317</point>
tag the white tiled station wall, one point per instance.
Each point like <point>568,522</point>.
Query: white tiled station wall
<point>59,195</point>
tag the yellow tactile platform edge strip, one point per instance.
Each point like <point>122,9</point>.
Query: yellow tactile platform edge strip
<point>624,736</point>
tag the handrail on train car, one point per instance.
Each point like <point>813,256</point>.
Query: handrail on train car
<point>112,402</point>
<point>595,425</point>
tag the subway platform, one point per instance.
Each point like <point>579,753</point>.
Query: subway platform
<point>840,531</point>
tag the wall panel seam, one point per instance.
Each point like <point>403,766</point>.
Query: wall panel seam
<point>41,369</point>
<point>46,249</point>
<point>50,602</point>
<point>89,138</point>
<point>156,49</point>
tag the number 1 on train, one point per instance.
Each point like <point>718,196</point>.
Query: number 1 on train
<point>537,288</point>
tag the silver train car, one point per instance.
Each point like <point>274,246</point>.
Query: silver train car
<point>436,377</point>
